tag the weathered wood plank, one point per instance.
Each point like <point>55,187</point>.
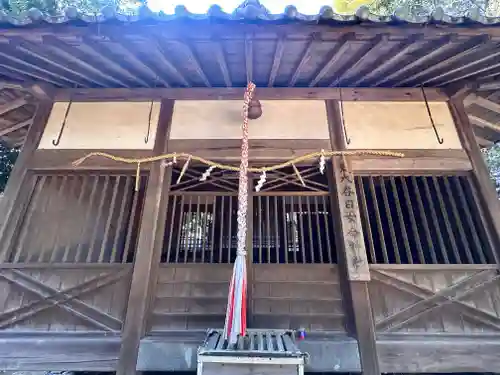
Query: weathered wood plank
<point>59,353</point>
<point>433,354</point>
<point>148,250</point>
<point>263,93</point>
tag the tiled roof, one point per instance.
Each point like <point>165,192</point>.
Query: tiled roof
<point>250,11</point>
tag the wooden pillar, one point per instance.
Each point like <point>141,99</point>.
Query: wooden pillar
<point>353,260</point>
<point>16,194</point>
<point>486,188</point>
<point>149,245</point>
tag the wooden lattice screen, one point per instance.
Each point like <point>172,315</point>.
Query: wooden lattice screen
<point>79,218</point>
<point>423,220</point>
<point>291,223</point>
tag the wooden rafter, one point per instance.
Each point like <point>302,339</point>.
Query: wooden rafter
<point>15,104</point>
<point>16,126</point>
<point>483,102</point>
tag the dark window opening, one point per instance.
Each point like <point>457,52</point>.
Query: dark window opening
<point>423,220</point>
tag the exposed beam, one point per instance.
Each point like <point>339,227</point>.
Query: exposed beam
<point>357,60</point>
<point>65,69</point>
<point>348,94</point>
<point>484,124</point>
<point>489,86</point>
<point>77,57</point>
<point>306,57</point>
<point>341,47</point>
<point>114,63</point>
<point>471,46</point>
<point>483,102</point>
<point>278,55</point>
<point>445,44</point>
<point>14,127</point>
<point>163,53</point>
<point>249,59</point>
<point>15,104</point>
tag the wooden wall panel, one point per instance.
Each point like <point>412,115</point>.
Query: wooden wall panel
<point>399,125</point>
<point>427,299</point>
<point>102,125</point>
<point>190,297</point>
<point>284,296</point>
<point>64,299</point>
<point>221,119</point>
<point>294,296</point>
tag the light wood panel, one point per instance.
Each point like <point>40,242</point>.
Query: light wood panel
<point>399,125</point>
<point>221,119</point>
<point>103,125</point>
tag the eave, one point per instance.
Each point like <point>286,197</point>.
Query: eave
<point>187,53</point>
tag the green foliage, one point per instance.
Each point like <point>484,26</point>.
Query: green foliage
<point>492,156</point>
<point>7,159</point>
<point>54,7</point>
<point>424,7</point>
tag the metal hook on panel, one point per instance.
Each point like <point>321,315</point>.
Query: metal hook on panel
<point>56,141</point>
<point>439,139</point>
<point>341,104</point>
<point>146,138</point>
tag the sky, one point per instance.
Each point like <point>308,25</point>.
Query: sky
<point>201,6</point>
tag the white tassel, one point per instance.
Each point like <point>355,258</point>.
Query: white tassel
<point>261,181</point>
<point>322,162</point>
<point>206,174</point>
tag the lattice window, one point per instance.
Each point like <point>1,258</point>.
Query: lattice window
<point>79,218</point>
<point>292,222</point>
<point>201,218</point>
<point>423,220</point>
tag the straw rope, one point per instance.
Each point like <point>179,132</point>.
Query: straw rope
<point>210,163</point>
<point>188,157</point>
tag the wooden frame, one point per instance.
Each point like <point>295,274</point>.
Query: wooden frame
<point>14,198</point>
<point>376,351</point>
<point>356,292</point>
<point>485,186</point>
<point>148,250</point>
<point>291,93</point>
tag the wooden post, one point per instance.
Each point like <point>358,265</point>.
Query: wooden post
<point>149,244</point>
<point>480,169</point>
<point>353,257</point>
<point>15,197</point>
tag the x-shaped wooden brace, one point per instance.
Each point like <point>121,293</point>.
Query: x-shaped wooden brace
<point>430,300</point>
<point>65,299</point>
<point>216,179</point>
<point>279,179</point>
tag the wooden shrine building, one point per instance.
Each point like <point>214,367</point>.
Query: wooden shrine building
<point>396,274</point>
